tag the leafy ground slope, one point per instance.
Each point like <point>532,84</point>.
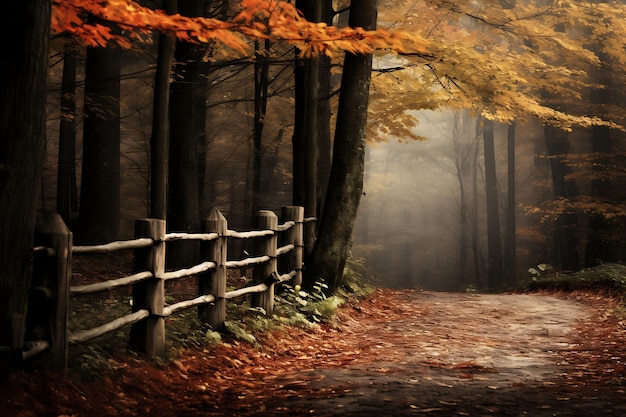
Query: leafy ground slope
<point>394,353</point>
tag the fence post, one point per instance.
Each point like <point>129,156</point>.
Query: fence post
<point>295,237</point>
<point>266,245</point>
<point>148,335</point>
<point>50,294</point>
<point>214,280</point>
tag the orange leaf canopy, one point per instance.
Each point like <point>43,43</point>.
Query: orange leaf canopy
<point>257,19</point>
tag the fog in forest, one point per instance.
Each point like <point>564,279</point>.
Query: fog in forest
<point>408,229</point>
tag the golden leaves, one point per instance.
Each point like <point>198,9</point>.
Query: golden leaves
<point>508,61</point>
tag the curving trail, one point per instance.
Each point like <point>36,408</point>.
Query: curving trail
<point>395,353</point>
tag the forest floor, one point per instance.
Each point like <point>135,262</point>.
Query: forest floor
<point>393,353</point>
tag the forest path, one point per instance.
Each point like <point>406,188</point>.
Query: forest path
<point>455,354</point>
<point>394,353</point>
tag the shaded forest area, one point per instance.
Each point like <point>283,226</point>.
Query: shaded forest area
<point>427,217</point>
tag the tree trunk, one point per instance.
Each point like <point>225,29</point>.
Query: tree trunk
<point>601,244</point>
<point>261,82</point>
<point>475,231</point>
<point>183,198</point>
<point>324,115</point>
<point>23,88</point>
<point>67,194</point>
<point>495,273</point>
<point>305,138</point>
<point>463,209</point>
<point>160,121</point>
<point>99,217</point>
<point>565,256</point>
<point>510,247</point>
<point>332,246</point>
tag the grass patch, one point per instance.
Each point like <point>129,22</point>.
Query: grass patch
<point>609,278</point>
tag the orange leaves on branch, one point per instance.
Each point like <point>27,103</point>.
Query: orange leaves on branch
<point>258,19</point>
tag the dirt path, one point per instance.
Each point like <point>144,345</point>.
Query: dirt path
<point>396,353</point>
<point>462,354</point>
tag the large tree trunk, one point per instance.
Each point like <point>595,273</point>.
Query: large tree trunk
<point>495,273</point>
<point>324,115</point>
<point>99,217</point>
<point>183,198</point>
<point>67,193</point>
<point>160,121</point>
<point>305,138</point>
<point>332,246</point>
<point>23,88</point>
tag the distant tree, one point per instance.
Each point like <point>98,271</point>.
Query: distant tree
<point>565,252</point>
<point>99,212</point>
<point>23,87</point>
<point>510,265</point>
<point>495,261</point>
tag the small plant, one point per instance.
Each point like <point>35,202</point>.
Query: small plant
<point>538,270</point>
<point>314,306</point>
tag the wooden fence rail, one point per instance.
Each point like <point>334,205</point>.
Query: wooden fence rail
<point>53,269</point>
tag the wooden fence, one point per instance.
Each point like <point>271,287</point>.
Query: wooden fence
<point>48,313</point>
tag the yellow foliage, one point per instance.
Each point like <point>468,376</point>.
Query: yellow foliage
<point>504,62</point>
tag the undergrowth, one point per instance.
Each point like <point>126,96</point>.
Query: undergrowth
<point>608,278</point>
<point>293,307</point>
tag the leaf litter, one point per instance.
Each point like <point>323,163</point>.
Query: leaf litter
<point>394,353</point>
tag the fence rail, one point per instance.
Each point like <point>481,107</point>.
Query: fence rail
<point>53,270</point>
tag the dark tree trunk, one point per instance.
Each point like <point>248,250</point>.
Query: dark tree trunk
<point>67,193</point>
<point>160,121</point>
<point>602,244</point>
<point>566,239</point>
<point>324,115</point>
<point>261,83</point>
<point>183,198</point>
<point>332,246</point>
<point>495,273</point>
<point>99,217</point>
<point>476,250</point>
<point>305,136</point>
<point>23,87</point>
<point>510,247</point>
<point>463,208</point>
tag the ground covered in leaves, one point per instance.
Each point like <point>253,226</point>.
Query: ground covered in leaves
<point>394,353</point>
